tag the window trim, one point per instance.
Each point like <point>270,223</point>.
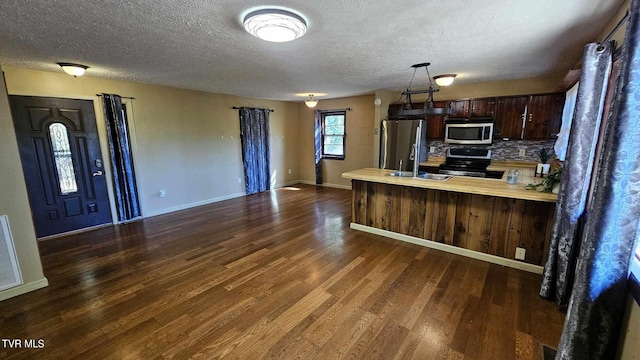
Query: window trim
<point>323,115</point>
<point>634,274</point>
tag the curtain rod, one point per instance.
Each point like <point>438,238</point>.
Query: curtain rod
<point>615,29</point>
<point>238,108</point>
<point>124,97</point>
<point>330,110</point>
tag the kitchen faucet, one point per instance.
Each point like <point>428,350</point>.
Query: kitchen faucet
<point>414,156</point>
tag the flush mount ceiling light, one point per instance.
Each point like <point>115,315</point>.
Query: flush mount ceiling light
<point>73,69</point>
<point>444,80</point>
<point>311,102</point>
<point>276,25</point>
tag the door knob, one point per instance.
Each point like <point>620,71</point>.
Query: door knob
<point>98,173</point>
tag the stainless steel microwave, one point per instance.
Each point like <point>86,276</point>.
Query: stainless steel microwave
<point>469,132</point>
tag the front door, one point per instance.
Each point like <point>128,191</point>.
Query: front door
<point>62,163</point>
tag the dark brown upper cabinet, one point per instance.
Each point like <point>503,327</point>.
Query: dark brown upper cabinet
<point>483,107</point>
<point>435,124</point>
<point>508,117</point>
<point>544,116</point>
<point>459,108</point>
<point>529,117</point>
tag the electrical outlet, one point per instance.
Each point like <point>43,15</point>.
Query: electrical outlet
<point>162,193</point>
<point>432,149</point>
<point>520,253</point>
<point>289,171</point>
<point>239,180</point>
<point>522,152</point>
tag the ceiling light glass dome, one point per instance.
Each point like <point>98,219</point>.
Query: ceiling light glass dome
<point>275,25</point>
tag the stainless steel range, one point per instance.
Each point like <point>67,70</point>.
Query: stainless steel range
<point>466,162</point>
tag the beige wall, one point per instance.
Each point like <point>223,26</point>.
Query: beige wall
<point>618,36</point>
<point>500,88</point>
<point>359,140</point>
<point>15,204</point>
<point>185,142</point>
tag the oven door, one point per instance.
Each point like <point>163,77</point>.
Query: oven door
<point>469,134</point>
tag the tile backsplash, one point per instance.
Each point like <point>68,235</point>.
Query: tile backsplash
<point>500,149</point>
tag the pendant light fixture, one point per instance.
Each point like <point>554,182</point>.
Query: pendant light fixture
<point>72,69</point>
<point>311,103</point>
<point>275,25</point>
<point>444,80</point>
<point>408,110</point>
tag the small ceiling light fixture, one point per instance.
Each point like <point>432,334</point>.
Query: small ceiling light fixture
<point>73,69</point>
<point>275,25</point>
<point>311,102</point>
<point>444,80</point>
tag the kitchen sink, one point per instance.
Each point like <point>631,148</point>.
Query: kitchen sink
<point>428,176</point>
<point>494,174</point>
<point>438,177</point>
<point>402,173</point>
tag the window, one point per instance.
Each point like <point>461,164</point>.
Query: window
<point>333,134</point>
<point>63,159</point>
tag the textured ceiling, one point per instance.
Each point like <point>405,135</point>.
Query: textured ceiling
<point>351,47</point>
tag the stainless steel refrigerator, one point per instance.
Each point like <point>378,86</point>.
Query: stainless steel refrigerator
<point>404,140</point>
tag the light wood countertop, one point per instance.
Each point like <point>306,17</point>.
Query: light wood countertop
<point>463,184</point>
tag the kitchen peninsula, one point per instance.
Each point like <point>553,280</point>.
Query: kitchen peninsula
<point>476,217</point>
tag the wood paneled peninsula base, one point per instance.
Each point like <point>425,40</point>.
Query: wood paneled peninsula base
<point>485,219</point>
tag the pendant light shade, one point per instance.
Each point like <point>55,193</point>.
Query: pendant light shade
<point>73,69</point>
<point>311,102</point>
<point>444,80</point>
<point>275,25</point>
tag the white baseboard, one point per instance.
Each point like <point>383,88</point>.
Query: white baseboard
<point>289,183</point>
<point>23,289</point>
<point>451,249</point>
<point>336,186</point>
<point>193,204</point>
<point>210,201</point>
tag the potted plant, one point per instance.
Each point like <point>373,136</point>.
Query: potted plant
<point>549,184</point>
<point>544,155</point>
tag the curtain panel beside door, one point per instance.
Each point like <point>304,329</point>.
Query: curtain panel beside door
<point>576,175</point>
<point>254,136</point>
<point>318,145</point>
<point>124,179</point>
<point>599,294</point>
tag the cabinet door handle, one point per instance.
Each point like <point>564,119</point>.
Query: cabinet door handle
<point>97,173</point>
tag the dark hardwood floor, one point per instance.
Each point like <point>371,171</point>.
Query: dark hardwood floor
<point>278,275</point>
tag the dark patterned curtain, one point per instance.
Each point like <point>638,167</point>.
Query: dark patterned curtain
<point>254,136</point>
<point>596,307</point>
<point>576,175</point>
<point>318,146</point>
<point>124,178</point>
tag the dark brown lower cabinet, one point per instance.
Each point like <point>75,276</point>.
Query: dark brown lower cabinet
<point>488,224</point>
